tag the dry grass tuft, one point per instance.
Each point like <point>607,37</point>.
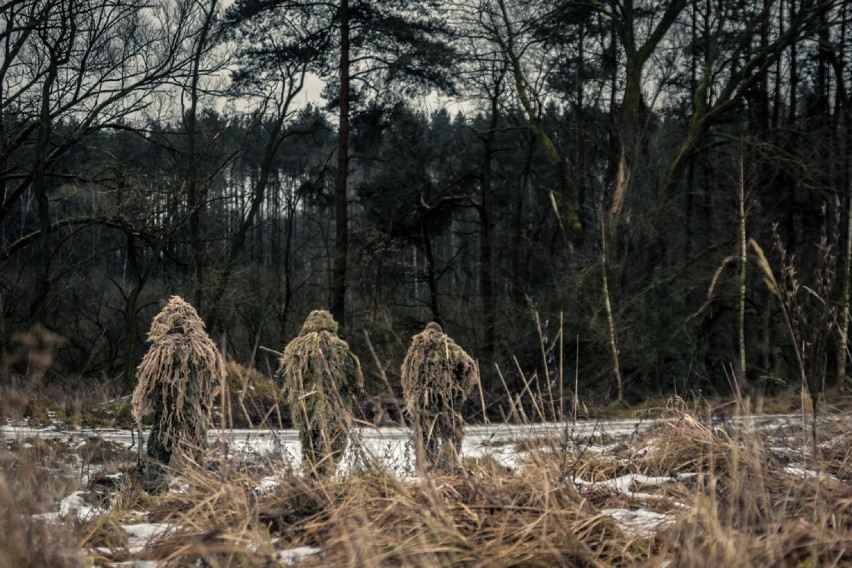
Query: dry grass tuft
<point>221,518</point>
<point>498,520</point>
<point>749,505</point>
<point>684,442</point>
<point>27,542</point>
<point>729,493</point>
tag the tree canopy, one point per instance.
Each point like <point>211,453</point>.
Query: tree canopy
<point>647,195</point>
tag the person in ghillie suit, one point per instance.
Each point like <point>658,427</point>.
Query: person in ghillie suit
<point>437,377</point>
<point>321,376</point>
<point>178,379</point>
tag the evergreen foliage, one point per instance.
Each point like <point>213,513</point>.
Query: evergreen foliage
<point>131,168</point>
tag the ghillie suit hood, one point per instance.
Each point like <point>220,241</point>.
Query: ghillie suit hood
<point>320,375</point>
<point>179,377</point>
<point>437,377</point>
<point>319,320</point>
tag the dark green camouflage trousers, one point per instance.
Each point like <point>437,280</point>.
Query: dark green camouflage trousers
<point>159,457</point>
<point>157,462</point>
<point>322,450</point>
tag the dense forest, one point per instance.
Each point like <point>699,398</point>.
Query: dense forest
<point>643,197</point>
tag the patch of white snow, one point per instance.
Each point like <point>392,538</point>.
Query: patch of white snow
<point>295,555</point>
<point>626,484</point>
<point>640,523</point>
<point>267,484</point>
<point>807,473</point>
<point>76,504</point>
<point>141,534</point>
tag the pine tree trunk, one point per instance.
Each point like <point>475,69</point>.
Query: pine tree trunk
<point>741,375</point>
<point>341,245</point>
<point>486,228</point>
<point>843,339</point>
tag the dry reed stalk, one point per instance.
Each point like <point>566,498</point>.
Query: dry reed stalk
<point>543,348</point>
<point>450,520</point>
<point>527,389</point>
<point>561,368</point>
<point>482,402</point>
<point>513,413</point>
<point>576,401</point>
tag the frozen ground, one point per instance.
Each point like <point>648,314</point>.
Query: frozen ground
<point>478,439</point>
<point>389,448</point>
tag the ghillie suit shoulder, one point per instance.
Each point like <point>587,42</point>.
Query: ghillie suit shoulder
<point>180,374</point>
<point>320,373</point>
<point>435,362</point>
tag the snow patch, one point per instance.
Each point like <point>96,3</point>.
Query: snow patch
<point>639,523</point>
<point>76,504</point>
<point>626,484</point>
<point>295,555</point>
<point>267,484</point>
<point>142,534</point>
<point>506,456</point>
<point>807,473</point>
<point>178,486</point>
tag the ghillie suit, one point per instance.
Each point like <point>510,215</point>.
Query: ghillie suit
<point>437,377</point>
<point>177,379</point>
<point>321,376</point>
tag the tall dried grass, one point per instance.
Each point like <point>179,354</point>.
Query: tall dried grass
<point>35,474</point>
<point>749,502</point>
<point>28,543</point>
<point>731,493</point>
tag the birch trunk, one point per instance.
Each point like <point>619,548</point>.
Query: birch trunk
<point>613,342</point>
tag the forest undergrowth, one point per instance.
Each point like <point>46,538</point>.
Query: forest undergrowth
<point>688,490</point>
